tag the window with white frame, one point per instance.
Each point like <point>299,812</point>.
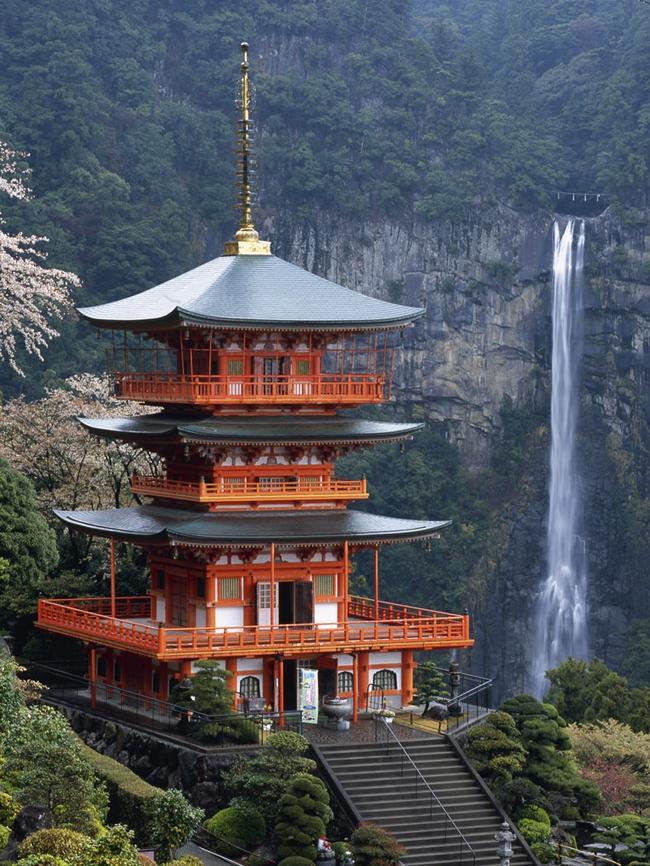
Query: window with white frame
<point>385,679</point>
<point>345,681</point>
<point>250,687</point>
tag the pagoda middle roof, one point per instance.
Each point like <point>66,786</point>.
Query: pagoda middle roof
<point>250,292</point>
<point>287,428</point>
<point>150,524</point>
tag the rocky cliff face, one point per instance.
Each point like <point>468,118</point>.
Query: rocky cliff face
<point>487,287</point>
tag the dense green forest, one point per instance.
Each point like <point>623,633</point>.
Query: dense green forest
<point>417,113</point>
<point>426,110</point>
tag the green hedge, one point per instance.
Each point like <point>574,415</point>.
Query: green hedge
<point>131,797</point>
<point>242,828</point>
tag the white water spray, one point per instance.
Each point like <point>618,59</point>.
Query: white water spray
<point>561,606</point>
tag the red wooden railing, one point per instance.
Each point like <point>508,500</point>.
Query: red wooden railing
<point>228,490</point>
<point>87,618</point>
<point>355,388</point>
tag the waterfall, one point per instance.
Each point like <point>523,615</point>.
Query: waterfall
<point>561,605</point>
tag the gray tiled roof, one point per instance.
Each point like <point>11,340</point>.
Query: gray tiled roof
<point>250,292</point>
<point>149,523</point>
<point>258,430</point>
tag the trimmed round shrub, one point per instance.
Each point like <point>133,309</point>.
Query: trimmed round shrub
<point>296,861</point>
<point>235,828</point>
<point>373,846</point>
<point>9,808</point>
<point>534,832</point>
<point>56,841</point>
<point>43,860</point>
<point>545,853</point>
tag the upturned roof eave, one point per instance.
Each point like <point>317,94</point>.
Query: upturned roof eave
<point>170,535</point>
<point>180,318</point>
<point>173,430</point>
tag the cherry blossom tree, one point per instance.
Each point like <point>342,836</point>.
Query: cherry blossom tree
<point>31,295</point>
<point>70,467</point>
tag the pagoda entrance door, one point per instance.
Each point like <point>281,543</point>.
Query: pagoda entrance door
<point>295,602</point>
<point>272,370</point>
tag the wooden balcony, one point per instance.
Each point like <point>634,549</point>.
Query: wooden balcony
<point>246,491</point>
<point>343,389</point>
<point>397,627</point>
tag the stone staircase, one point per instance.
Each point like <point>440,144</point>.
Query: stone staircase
<point>380,784</point>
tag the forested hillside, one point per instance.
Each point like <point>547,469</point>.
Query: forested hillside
<point>447,127</point>
<point>364,110</point>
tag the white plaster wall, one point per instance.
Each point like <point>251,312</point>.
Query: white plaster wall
<point>229,617</point>
<point>200,616</point>
<point>386,660</point>
<point>325,612</point>
<point>160,609</point>
<point>344,660</point>
<point>250,664</point>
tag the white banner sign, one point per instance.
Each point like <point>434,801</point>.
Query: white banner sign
<point>309,696</point>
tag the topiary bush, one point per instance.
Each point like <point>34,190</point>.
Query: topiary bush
<point>235,828</point>
<point>9,808</point>
<point>303,815</point>
<point>296,861</point>
<point>56,841</point>
<point>373,846</point>
<point>43,860</point>
<point>544,852</point>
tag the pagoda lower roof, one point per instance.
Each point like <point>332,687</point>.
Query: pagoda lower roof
<point>150,524</point>
<point>252,292</point>
<point>234,431</point>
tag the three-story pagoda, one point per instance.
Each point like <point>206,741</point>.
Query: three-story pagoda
<point>248,534</point>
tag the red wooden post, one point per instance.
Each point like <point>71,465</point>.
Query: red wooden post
<point>355,687</point>
<point>346,575</point>
<point>113,577</point>
<point>92,676</point>
<point>272,602</point>
<point>376,558</point>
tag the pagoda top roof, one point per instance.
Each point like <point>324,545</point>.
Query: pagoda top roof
<point>290,428</point>
<point>252,292</point>
<point>149,524</point>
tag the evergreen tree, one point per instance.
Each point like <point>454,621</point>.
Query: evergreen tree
<point>28,551</point>
<point>303,816</point>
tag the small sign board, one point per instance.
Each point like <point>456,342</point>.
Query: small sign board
<point>255,705</point>
<point>309,696</point>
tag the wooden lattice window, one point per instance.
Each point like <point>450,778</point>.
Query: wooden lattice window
<point>230,588</point>
<point>385,679</point>
<point>345,681</point>
<point>250,687</point>
<point>303,367</point>
<point>325,585</point>
<point>235,366</point>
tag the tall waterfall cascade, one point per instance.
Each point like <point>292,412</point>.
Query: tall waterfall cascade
<point>561,604</point>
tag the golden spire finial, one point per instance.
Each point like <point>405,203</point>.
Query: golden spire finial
<point>247,240</point>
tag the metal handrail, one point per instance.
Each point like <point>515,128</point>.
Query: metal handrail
<point>159,709</point>
<point>434,796</point>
